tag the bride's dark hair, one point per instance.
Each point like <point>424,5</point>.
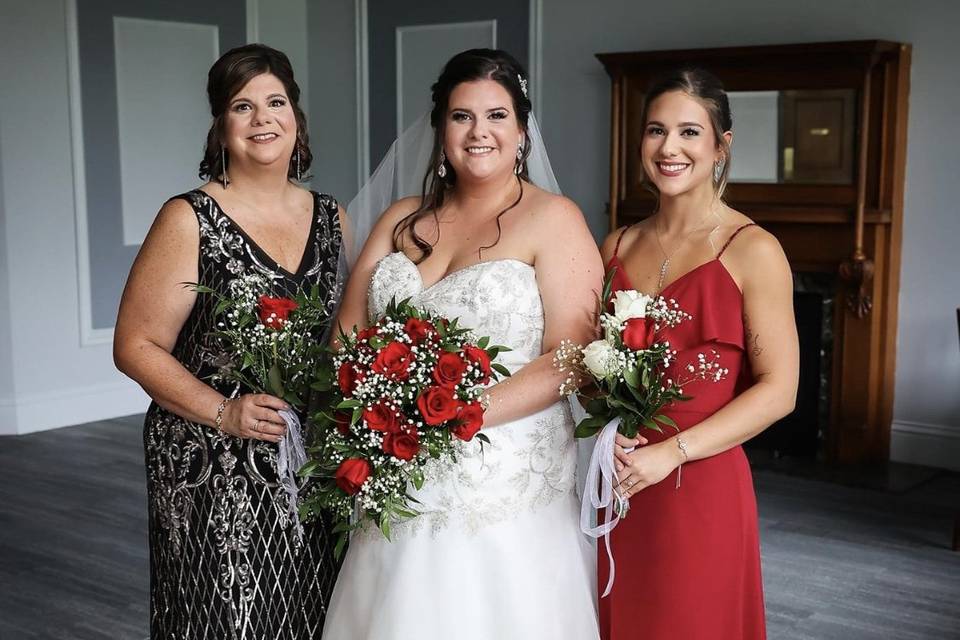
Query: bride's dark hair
<point>466,66</point>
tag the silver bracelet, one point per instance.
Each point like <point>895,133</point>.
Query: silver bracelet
<point>683,450</point>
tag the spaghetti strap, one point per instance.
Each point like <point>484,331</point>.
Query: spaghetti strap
<point>730,239</point>
<point>616,249</point>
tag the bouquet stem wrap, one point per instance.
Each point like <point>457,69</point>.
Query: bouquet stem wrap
<point>599,493</point>
<point>291,457</point>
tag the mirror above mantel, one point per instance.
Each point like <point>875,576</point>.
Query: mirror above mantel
<point>819,157</point>
<point>791,136</point>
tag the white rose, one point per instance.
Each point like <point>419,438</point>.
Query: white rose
<point>630,304</point>
<point>601,359</point>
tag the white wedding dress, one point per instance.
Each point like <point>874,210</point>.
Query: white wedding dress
<point>497,553</point>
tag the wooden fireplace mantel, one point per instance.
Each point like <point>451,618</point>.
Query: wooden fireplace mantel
<point>853,229</point>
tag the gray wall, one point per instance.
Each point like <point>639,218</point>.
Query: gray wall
<point>7,391</point>
<point>333,103</point>
<point>576,123</point>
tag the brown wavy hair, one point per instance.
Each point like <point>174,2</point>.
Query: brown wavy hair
<point>226,78</point>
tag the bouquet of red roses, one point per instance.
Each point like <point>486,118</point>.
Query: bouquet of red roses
<point>274,346</point>
<point>403,392</point>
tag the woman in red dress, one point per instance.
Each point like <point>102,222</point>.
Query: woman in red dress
<point>688,556</point>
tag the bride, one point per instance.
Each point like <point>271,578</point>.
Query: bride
<point>497,552</point>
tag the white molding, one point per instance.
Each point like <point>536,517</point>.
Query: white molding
<point>253,21</point>
<point>436,26</point>
<point>362,53</point>
<point>43,411</point>
<point>933,445</point>
<point>536,57</point>
<point>88,335</point>
<point>926,429</point>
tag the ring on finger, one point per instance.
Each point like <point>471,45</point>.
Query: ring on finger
<point>256,426</point>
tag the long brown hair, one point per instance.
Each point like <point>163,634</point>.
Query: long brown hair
<point>466,66</point>
<point>226,78</point>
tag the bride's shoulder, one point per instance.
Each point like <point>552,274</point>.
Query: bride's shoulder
<point>549,208</point>
<point>401,209</point>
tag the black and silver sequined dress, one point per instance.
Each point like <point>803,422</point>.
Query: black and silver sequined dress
<point>225,563</point>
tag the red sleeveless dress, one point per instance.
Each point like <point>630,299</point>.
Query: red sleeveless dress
<point>688,559</point>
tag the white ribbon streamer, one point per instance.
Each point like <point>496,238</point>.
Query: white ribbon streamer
<point>600,493</point>
<point>291,457</point>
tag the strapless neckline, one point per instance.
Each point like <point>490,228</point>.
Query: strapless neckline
<point>456,272</point>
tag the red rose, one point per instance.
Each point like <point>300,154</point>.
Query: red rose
<point>347,378</point>
<point>342,420</point>
<point>274,312</point>
<point>418,329</point>
<point>638,334</point>
<point>479,357</point>
<point>365,334</point>
<point>402,444</point>
<point>469,421</point>
<point>381,417</point>
<point>437,405</point>
<point>393,361</point>
<point>351,474</point>
<point>449,370</point>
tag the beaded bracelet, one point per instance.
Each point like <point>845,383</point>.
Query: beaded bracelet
<point>219,420</point>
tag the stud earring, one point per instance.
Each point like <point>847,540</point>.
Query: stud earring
<point>442,167</point>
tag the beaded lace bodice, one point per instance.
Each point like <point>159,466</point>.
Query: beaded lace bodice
<point>529,462</point>
<point>497,298</point>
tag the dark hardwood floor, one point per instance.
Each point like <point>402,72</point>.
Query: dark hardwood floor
<point>840,562</point>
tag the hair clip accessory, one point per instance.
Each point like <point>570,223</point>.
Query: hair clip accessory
<point>523,85</point>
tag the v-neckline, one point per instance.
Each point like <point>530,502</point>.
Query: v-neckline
<point>423,285</point>
<point>306,247</point>
<point>686,275</point>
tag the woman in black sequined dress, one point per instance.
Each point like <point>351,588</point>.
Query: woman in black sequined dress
<point>225,559</point>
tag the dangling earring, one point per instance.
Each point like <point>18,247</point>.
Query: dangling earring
<point>718,170</point>
<point>519,168</point>
<point>442,167</point>
<point>223,166</point>
<point>298,163</point>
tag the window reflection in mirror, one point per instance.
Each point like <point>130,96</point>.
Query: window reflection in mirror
<point>793,136</point>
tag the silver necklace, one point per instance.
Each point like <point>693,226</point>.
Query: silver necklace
<point>669,256</point>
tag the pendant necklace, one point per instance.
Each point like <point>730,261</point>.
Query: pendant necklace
<point>669,256</point>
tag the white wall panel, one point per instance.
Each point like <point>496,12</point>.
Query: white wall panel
<point>161,111</point>
<point>422,51</point>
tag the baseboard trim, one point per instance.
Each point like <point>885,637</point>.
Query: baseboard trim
<point>933,445</point>
<point>67,407</point>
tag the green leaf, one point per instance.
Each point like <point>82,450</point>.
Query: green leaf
<point>584,431</point>
<point>499,368</point>
<point>349,404</point>
<point>650,424</point>
<point>632,376</point>
<point>275,380</point>
<point>483,342</point>
<point>417,479</point>
<point>340,546</point>
<point>308,469</point>
<point>665,420</point>
<point>385,525</point>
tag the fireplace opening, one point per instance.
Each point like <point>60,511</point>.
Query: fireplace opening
<point>802,433</point>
